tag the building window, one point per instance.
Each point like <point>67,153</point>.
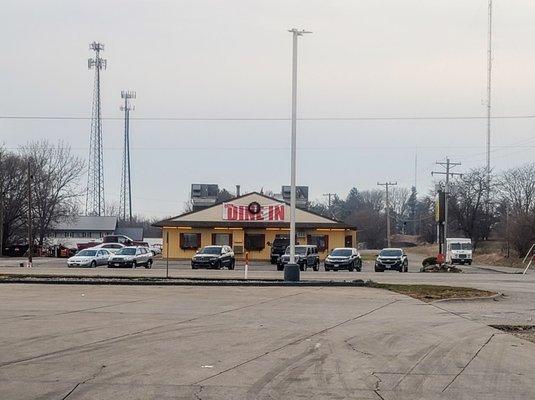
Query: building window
<point>255,242</point>
<point>190,241</point>
<point>321,241</point>
<point>222,239</point>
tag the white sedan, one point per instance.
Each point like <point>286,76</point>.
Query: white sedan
<point>89,258</point>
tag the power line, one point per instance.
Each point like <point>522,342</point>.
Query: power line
<point>252,119</point>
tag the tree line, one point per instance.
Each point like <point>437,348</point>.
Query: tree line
<point>52,173</point>
<point>500,207</point>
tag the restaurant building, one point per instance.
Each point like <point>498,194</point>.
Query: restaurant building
<point>250,223</point>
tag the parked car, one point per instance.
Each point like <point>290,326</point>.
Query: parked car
<point>156,250</point>
<point>343,258</point>
<point>111,247</point>
<point>15,250</point>
<point>278,247</point>
<point>392,259</point>
<point>89,258</point>
<point>306,256</point>
<point>131,257</point>
<point>214,257</point>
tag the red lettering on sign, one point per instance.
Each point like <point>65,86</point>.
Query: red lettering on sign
<point>279,213</point>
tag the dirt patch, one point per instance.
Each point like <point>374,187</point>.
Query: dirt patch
<point>429,293</point>
<point>526,332</point>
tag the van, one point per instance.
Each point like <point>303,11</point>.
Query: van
<point>459,251</point>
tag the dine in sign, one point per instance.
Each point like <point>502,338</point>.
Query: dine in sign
<point>253,212</point>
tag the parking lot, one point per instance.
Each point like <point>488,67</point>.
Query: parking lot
<point>132,342</point>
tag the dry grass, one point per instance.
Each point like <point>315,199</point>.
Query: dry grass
<point>430,293</point>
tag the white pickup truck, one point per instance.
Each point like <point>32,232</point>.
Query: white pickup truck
<point>459,251</point>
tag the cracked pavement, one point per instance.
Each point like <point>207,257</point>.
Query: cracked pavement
<point>145,342</point>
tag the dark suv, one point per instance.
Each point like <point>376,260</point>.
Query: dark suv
<point>306,256</point>
<point>215,257</point>
<point>392,259</point>
<point>278,247</point>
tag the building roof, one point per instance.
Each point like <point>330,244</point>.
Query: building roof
<point>213,216</point>
<point>88,223</point>
<point>133,233</point>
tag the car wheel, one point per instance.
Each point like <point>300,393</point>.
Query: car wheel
<point>327,269</point>
<point>134,265</point>
<point>218,265</point>
<point>93,264</point>
<point>232,264</point>
<point>379,270</point>
<point>193,267</point>
<point>279,268</point>
<point>149,264</point>
<point>316,266</point>
<point>360,266</point>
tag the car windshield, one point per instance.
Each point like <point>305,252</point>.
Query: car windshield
<point>390,253</point>
<point>127,252</point>
<point>87,253</point>
<point>281,242</point>
<point>211,250</point>
<point>466,246</point>
<point>298,250</point>
<point>341,253</point>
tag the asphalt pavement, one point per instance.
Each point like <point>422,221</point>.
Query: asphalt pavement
<point>132,342</point>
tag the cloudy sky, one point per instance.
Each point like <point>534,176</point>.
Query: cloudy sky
<point>208,59</point>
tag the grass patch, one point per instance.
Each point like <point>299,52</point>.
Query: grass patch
<point>430,293</point>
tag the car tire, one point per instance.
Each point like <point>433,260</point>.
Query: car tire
<point>316,266</point>
<point>149,264</point>
<point>193,267</point>
<point>232,265</point>
<point>359,269</point>
<point>93,264</point>
<point>327,269</point>
<point>379,270</point>
<point>134,265</point>
<point>218,265</point>
<point>279,268</point>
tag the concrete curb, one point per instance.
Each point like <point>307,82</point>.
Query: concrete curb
<point>69,280</point>
<point>494,297</point>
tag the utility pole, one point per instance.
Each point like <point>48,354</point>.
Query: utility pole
<point>329,195</point>
<point>448,165</point>
<point>94,204</point>
<point>291,270</point>
<point>125,200</point>
<point>30,233</point>
<point>387,185</point>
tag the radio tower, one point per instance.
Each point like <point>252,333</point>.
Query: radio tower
<point>94,203</point>
<point>489,88</point>
<point>125,201</point>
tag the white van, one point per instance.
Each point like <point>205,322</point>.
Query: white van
<point>459,250</point>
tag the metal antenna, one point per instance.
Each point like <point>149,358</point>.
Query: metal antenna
<point>125,201</point>
<point>489,88</point>
<point>94,204</point>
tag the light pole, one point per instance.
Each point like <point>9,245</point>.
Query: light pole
<point>291,270</point>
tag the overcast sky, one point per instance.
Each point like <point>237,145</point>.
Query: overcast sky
<point>232,59</point>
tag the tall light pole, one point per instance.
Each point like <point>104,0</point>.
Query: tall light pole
<point>291,270</point>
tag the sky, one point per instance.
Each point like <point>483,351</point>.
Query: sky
<point>209,59</point>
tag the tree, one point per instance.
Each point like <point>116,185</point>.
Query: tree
<point>468,207</point>
<point>55,190</point>
<point>517,191</point>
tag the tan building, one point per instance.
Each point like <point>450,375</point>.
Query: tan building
<point>250,223</point>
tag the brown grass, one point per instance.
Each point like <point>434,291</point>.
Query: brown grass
<point>430,293</point>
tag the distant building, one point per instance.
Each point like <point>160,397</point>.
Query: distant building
<point>84,227</point>
<point>133,233</point>
<point>250,223</point>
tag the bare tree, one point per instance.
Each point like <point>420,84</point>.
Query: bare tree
<point>56,173</point>
<point>468,206</point>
